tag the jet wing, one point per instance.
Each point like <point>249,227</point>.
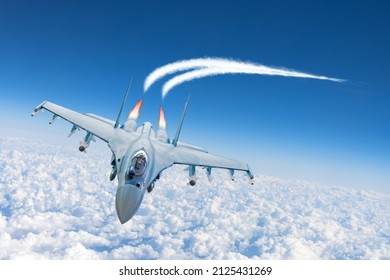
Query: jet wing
<point>98,126</point>
<point>166,155</point>
<point>183,155</point>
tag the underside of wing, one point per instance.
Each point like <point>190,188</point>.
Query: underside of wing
<point>166,155</point>
<point>193,157</point>
<point>183,155</point>
<point>190,146</point>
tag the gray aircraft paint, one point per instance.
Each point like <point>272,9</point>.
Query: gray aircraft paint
<point>128,140</point>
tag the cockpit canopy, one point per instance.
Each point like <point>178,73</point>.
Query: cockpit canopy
<point>138,164</point>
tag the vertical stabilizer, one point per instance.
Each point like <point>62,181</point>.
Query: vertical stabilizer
<point>174,142</point>
<point>123,103</point>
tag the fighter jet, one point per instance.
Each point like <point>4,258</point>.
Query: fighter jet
<point>140,154</point>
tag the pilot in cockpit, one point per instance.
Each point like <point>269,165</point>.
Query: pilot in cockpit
<point>138,165</point>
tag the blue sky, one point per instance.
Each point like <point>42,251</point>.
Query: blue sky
<point>81,55</point>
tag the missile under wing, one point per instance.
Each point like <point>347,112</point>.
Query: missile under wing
<point>140,154</point>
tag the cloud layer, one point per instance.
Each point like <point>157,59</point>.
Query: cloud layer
<point>57,203</point>
<point>204,67</point>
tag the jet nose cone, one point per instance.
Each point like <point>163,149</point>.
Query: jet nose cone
<point>128,199</point>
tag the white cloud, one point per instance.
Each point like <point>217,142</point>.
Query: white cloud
<point>57,203</point>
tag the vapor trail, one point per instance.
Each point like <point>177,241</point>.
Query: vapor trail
<point>183,65</point>
<point>204,72</point>
<point>217,66</point>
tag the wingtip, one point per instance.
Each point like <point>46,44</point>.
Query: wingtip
<point>38,109</point>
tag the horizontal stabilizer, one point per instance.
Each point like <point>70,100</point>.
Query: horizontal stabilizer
<point>190,146</point>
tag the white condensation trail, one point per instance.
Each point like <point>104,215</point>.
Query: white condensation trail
<point>204,67</point>
<point>258,70</point>
<point>184,65</point>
